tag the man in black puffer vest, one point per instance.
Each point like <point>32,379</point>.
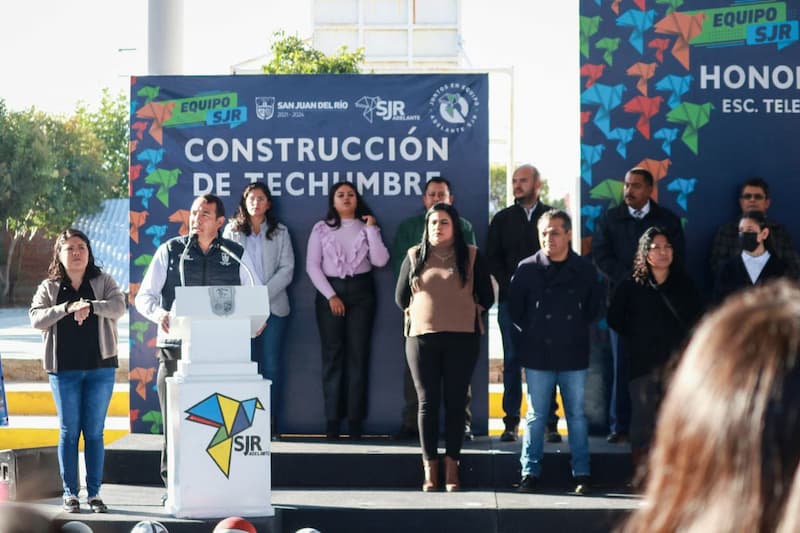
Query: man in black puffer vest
<point>204,263</point>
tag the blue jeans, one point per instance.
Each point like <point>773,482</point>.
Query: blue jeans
<point>267,351</point>
<point>541,384</point>
<point>619,408</point>
<point>82,398</point>
<point>512,379</point>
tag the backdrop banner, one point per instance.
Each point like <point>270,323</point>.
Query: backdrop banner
<point>704,94</point>
<point>387,134</point>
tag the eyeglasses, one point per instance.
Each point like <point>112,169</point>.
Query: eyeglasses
<point>751,196</point>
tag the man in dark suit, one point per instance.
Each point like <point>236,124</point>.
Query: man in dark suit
<point>512,238</point>
<point>613,247</point>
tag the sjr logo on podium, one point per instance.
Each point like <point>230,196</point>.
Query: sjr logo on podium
<point>231,417</point>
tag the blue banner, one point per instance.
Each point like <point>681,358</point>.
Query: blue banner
<point>703,93</point>
<point>388,134</point>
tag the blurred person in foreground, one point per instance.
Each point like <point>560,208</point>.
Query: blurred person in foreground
<point>77,308</point>
<point>726,447</point>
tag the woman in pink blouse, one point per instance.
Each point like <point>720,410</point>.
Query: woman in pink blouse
<point>342,250</point>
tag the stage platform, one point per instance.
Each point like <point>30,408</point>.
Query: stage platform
<point>373,485</point>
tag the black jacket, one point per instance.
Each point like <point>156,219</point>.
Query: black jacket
<point>733,276</point>
<point>512,238</point>
<point>617,236</point>
<point>650,330</point>
<point>552,309</point>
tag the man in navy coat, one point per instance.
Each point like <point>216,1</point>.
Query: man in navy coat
<point>554,296</point>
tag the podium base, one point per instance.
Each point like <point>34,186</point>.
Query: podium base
<point>218,445</point>
<point>218,511</point>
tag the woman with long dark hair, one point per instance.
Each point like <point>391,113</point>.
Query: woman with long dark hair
<point>653,311</point>
<point>443,288</point>
<point>77,308</point>
<point>269,244</point>
<point>342,251</point>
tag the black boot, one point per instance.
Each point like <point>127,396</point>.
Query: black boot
<point>511,433</point>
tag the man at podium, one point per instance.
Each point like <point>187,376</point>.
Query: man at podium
<point>201,258</point>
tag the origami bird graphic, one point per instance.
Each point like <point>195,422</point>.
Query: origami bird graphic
<point>166,179</point>
<point>610,45</point>
<point>590,154</point>
<point>658,169</point>
<point>588,27</point>
<point>138,127</point>
<point>684,187</point>
<point>624,136</point>
<point>585,116</point>
<point>667,135</point>
<point>590,213</point>
<point>608,97</point>
<point>142,376</point>
<point>135,171</point>
<point>145,194</point>
<point>152,157</point>
<point>159,113</point>
<point>143,260</point>
<point>685,27</point>
<point>132,146</point>
<point>182,216</point>
<point>148,92</point>
<point>694,116</point>
<point>137,220</point>
<point>644,71</point>
<point>230,416</point>
<point>157,231</point>
<point>139,328</point>
<point>153,417</point>
<point>593,72</point>
<point>640,21</point>
<point>677,86</point>
<point>610,190</point>
<point>368,104</point>
<point>647,108</point>
<point>659,45</point>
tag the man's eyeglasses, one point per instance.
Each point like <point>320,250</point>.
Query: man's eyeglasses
<point>751,196</point>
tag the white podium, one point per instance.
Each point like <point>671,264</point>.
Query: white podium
<point>218,407</point>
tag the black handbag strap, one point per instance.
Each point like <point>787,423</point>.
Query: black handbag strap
<point>668,304</point>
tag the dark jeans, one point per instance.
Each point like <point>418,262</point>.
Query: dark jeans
<point>619,408</point>
<point>167,366</point>
<point>442,363</point>
<point>411,406</point>
<point>345,344</point>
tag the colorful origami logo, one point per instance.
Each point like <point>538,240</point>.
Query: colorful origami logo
<point>231,417</point>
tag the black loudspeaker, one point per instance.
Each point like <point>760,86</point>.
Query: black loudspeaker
<point>30,473</point>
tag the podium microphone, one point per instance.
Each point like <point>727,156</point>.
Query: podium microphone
<point>238,260</point>
<point>192,239</point>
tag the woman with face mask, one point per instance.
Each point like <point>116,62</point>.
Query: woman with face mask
<point>754,265</point>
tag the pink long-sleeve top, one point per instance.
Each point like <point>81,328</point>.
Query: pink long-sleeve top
<point>353,248</point>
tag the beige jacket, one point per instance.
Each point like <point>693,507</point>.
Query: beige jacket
<point>45,313</point>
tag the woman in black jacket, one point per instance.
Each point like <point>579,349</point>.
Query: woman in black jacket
<point>653,311</point>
